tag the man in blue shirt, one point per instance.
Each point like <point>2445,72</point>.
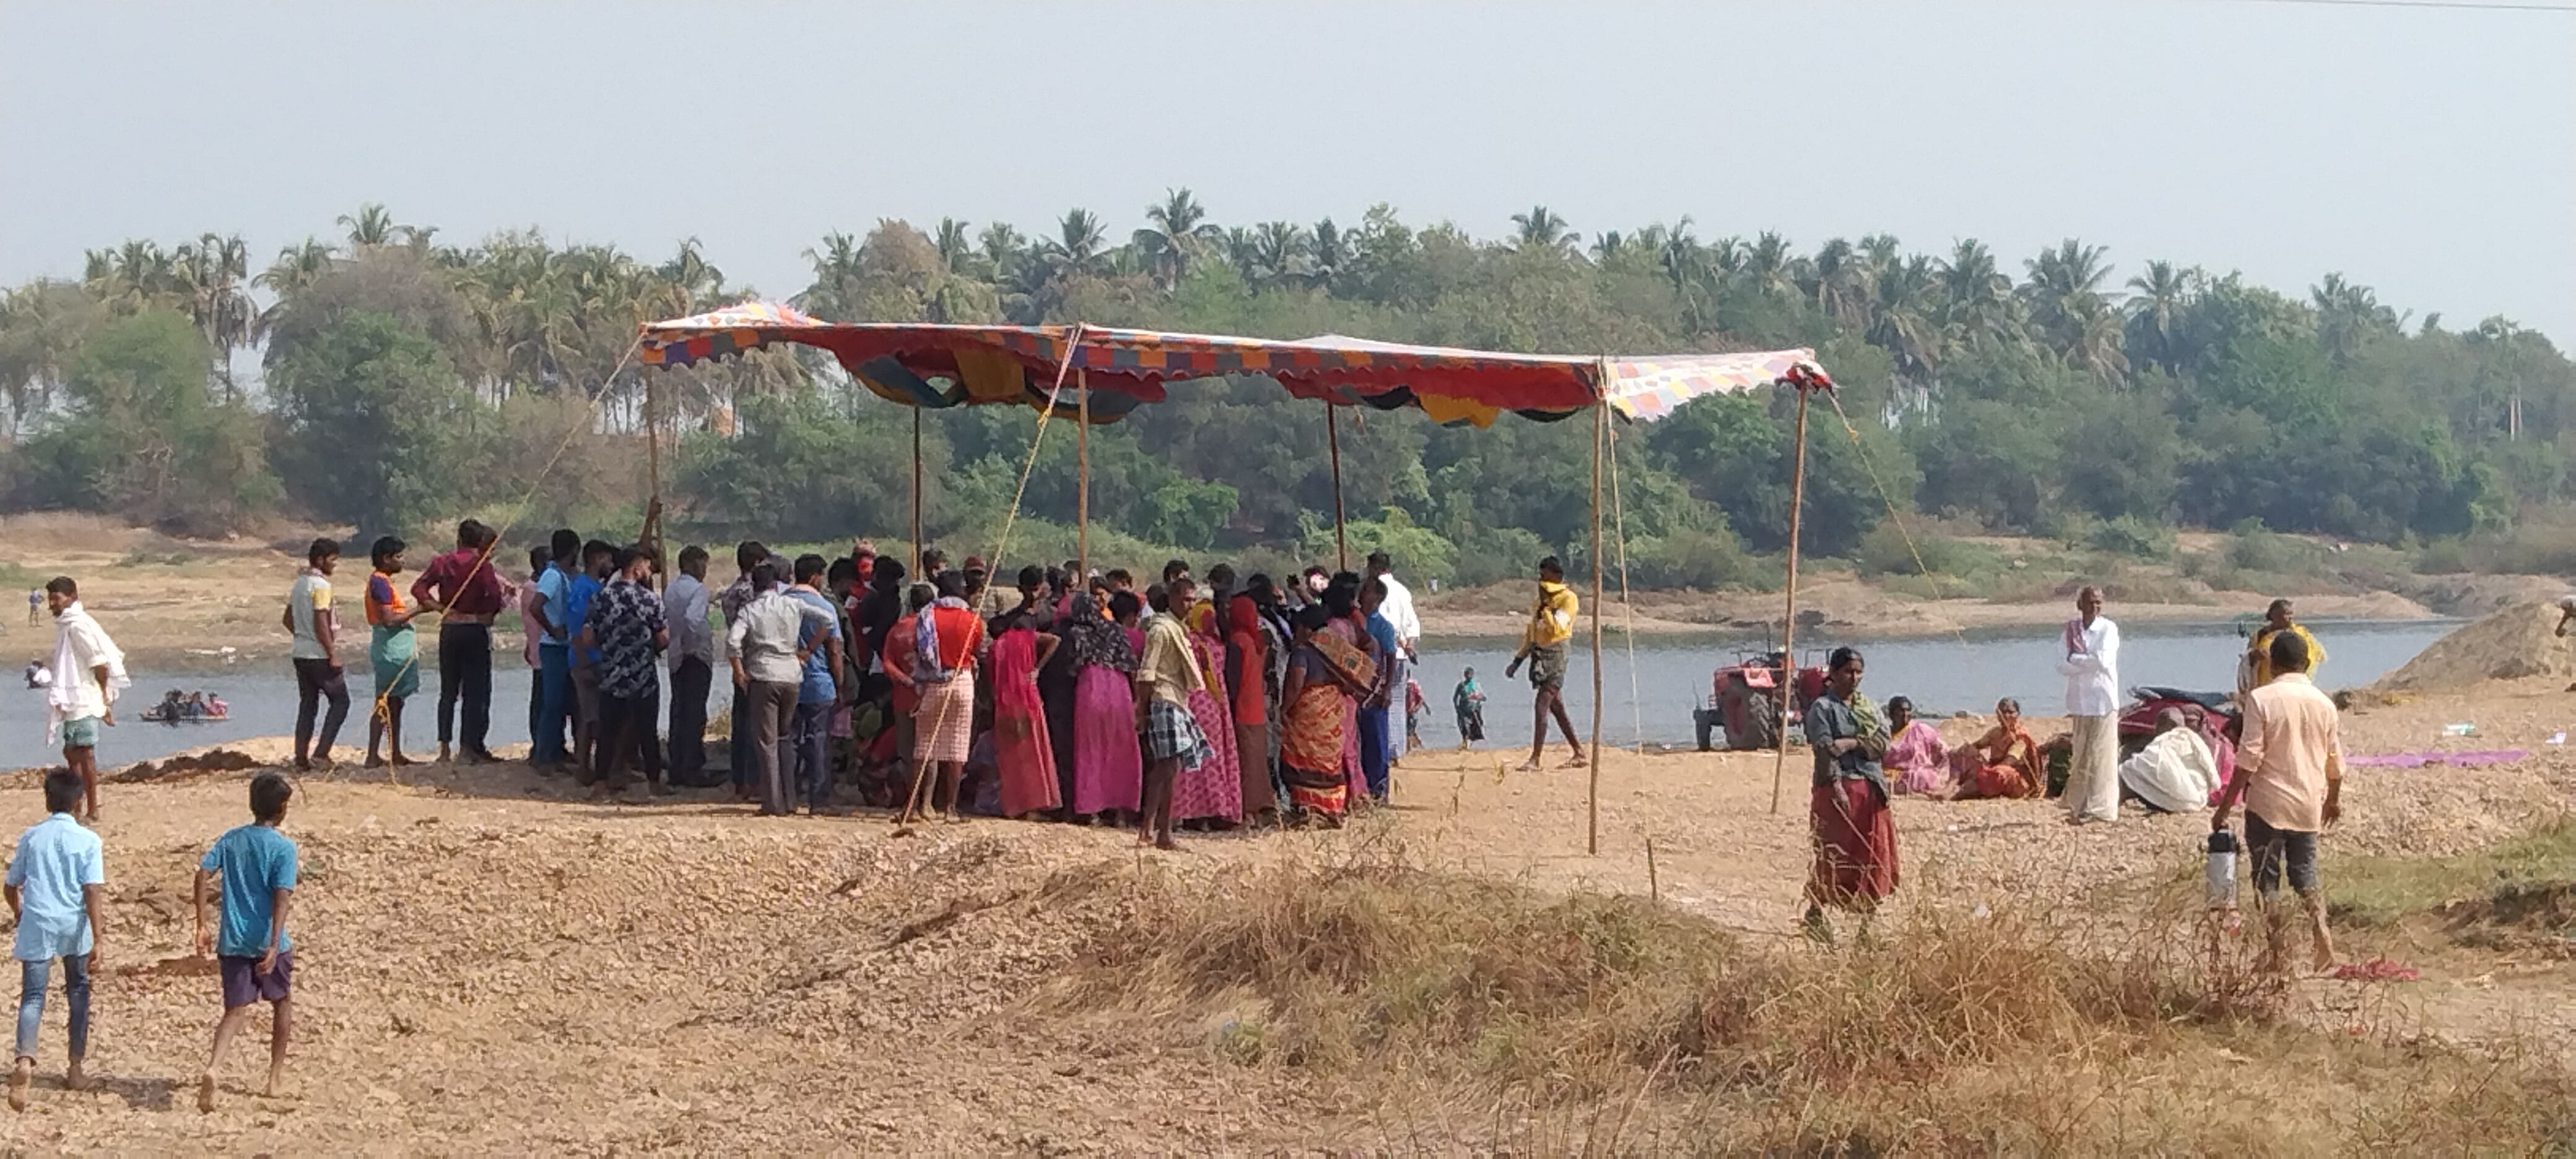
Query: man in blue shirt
<point>598,559</point>
<point>820,642</point>
<point>1377,731</point>
<point>53,888</point>
<point>554,656</point>
<point>256,865</point>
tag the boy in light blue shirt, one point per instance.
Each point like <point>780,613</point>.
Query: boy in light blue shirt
<point>256,866</point>
<point>54,883</point>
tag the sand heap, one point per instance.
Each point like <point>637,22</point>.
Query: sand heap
<point>2518,642</point>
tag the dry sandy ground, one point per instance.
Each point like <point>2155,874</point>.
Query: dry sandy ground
<point>486,963</point>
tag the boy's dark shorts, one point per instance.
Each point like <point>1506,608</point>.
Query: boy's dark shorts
<point>244,984</point>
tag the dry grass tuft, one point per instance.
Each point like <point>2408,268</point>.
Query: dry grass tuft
<point>1597,1023</point>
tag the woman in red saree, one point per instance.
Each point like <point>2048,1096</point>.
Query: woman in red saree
<point>2003,763</point>
<point>1022,752</point>
<point>1855,834</point>
<point>1314,704</point>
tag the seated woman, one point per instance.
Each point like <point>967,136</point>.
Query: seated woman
<point>1916,761</point>
<point>2003,763</point>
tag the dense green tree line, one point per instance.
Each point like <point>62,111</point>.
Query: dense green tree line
<point>403,380</point>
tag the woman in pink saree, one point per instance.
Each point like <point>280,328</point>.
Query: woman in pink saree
<point>1214,790</point>
<point>1021,752</point>
<point>1916,761</point>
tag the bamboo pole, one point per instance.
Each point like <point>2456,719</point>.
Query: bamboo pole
<point>1592,804</point>
<point>917,545</point>
<point>1341,533</point>
<point>1082,486</point>
<point>653,483</point>
<point>1789,619</point>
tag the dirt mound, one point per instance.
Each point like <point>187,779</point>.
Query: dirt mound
<point>2518,642</point>
<point>186,766</point>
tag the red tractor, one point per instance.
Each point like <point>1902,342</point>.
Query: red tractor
<point>1744,701</point>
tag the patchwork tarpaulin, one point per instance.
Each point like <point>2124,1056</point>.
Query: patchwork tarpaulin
<point>944,365</point>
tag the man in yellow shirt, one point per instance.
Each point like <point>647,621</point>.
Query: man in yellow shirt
<point>1544,646</point>
<point>2277,620</point>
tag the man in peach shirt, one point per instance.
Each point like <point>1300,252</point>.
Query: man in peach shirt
<point>2290,775</point>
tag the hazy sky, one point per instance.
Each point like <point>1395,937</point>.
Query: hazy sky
<point>2429,153</point>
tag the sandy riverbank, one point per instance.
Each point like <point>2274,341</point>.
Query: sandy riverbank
<point>482,951</point>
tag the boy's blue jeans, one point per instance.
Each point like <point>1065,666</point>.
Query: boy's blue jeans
<point>33,977</point>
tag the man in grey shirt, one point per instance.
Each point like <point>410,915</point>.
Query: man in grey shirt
<point>770,668</point>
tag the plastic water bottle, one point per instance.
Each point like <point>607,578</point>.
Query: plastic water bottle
<point>2221,879</point>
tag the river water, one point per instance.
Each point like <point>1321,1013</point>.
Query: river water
<point>1670,677</point>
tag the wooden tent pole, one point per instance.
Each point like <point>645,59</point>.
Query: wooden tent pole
<point>1341,532</point>
<point>917,545</point>
<point>1082,485</point>
<point>653,483</point>
<point>1592,804</point>
<point>1789,618</point>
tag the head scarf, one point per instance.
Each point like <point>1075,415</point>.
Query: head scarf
<point>1097,643</point>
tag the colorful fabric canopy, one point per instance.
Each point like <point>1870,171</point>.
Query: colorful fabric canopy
<point>940,365</point>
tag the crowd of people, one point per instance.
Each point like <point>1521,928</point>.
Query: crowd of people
<point>2276,747</point>
<point>1187,702</point>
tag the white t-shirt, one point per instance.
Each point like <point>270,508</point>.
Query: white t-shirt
<point>305,603</point>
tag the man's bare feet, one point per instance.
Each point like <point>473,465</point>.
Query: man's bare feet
<point>74,1079</point>
<point>443,756</point>
<point>206,1093</point>
<point>19,1077</point>
<point>1168,845</point>
<point>1527,767</point>
<point>1575,762</point>
<point>276,1084</point>
<point>404,761</point>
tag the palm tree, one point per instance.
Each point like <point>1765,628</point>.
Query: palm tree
<point>956,252</point>
<point>1279,251</point>
<point>1243,252</point>
<point>1002,248</point>
<point>2156,306</point>
<point>296,269</point>
<point>1976,297</point>
<point>2348,315</point>
<point>1840,282</point>
<point>1541,230</point>
<point>1076,247</point>
<point>2063,290</point>
<point>1328,254</point>
<point>2096,340</point>
<point>1905,317</point>
<point>1180,230</point>
<point>693,286</point>
<point>833,294</point>
<point>1767,266</point>
<point>210,274</point>
<point>371,226</point>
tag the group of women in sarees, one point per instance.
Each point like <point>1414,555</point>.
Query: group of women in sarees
<point>1259,702</point>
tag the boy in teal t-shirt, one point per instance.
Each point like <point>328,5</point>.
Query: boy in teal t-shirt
<point>256,866</point>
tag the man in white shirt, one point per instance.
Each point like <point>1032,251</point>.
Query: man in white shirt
<point>693,663</point>
<point>2092,671</point>
<point>1398,610</point>
<point>2176,772</point>
<point>88,673</point>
